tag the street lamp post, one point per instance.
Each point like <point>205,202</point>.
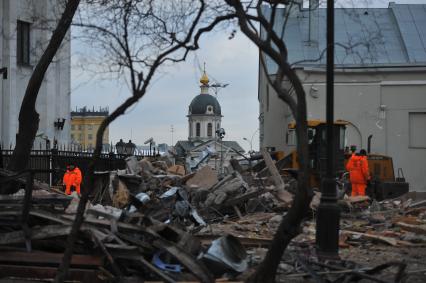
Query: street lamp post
<point>251,140</point>
<point>221,134</point>
<point>328,214</point>
<point>129,148</point>
<point>120,147</point>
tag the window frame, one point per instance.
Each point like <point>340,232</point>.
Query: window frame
<point>410,142</point>
<point>23,32</point>
<point>209,130</point>
<point>198,129</point>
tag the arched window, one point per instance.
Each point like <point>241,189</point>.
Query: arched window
<point>197,129</point>
<point>209,129</point>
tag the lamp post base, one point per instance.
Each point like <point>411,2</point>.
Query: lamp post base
<point>328,223</point>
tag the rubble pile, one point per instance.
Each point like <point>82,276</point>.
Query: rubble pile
<point>156,221</point>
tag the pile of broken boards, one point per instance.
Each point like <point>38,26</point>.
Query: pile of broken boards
<point>110,246</point>
<point>147,222</point>
<point>153,221</point>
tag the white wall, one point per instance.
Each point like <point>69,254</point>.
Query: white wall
<point>54,97</point>
<point>203,120</point>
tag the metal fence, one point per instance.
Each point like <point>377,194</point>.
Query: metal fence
<point>58,160</point>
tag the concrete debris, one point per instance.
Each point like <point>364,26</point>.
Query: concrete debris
<point>205,178</point>
<point>176,170</point>
<point>153,221</point>
<point>133,166</point>
<point>226,254</point>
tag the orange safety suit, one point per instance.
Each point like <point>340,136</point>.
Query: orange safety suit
<point>358,174</point>
<point>73,178</point>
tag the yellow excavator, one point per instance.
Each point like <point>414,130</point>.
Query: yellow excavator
<point>383,183</point>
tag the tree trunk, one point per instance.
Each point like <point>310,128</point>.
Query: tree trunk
<point>290,225</point>
<point>28,116</point>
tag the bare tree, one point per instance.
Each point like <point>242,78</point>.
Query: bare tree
<point>250,19</point>
<point>28,116</point>
<point>135,39</point>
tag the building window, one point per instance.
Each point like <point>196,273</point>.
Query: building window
<point>80,127</point>
<point>23,43</point>
<point>90,127</point>
<point>80,137</point>
<point>209,129</point>
<point>417,133</point>
<point>72,136</point>
<point>72,127</point>
<point>90,136</point>
<point>197,130</point>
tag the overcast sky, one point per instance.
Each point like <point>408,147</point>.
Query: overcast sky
<point>166,103</point>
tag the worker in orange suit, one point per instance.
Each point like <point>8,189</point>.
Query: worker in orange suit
<point>358,172</point>
<point>72,179</point>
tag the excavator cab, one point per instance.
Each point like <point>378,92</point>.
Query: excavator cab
<point>317,147</point>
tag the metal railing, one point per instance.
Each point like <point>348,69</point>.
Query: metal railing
<point>56,160</point>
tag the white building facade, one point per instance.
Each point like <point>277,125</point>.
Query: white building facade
<point>26,27</point>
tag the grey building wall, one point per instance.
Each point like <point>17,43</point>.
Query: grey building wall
<point>388,103</point>
<point>54,97</point>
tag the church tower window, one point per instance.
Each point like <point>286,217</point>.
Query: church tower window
<point>197,129</point>
<point>209,130</point>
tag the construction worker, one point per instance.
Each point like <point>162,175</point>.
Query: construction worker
<point>72,179</point>
<point>358,172</point>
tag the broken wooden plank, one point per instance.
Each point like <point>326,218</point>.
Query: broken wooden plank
<point>190,262</point>
<point>37,257</point>
<point>239,199</point>
<point>282,194</point>
<point>237,211</point>
<point>383,239</point>
<point>103,223</point>
<point>110,259</point>
<point>48,231</point>
<point>276,177</point>
<point>50,199</point>
<point>222,182</point>
<point>418,229</point>
<point>206,240</point>
<point>42,272</point>
<point>49,216</point>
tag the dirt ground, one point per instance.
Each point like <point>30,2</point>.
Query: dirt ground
<point>374,255</point>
